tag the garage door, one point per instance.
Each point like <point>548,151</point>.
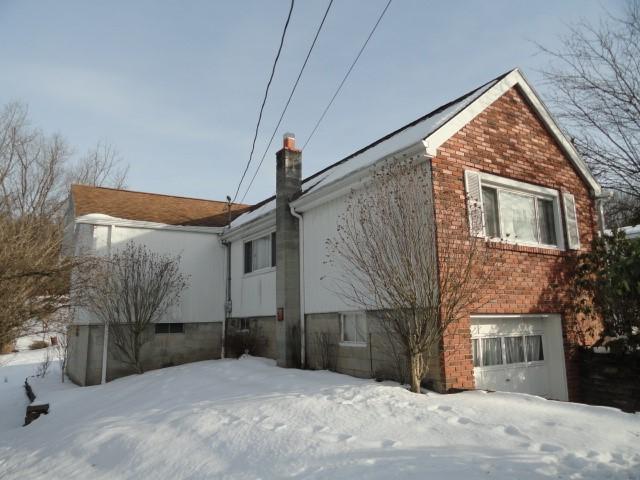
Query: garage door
<point>519,353</point>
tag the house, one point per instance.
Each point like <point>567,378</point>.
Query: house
<point>99,220</point>
<point>496,146</point>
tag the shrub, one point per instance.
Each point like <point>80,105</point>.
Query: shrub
<point>38,344</point>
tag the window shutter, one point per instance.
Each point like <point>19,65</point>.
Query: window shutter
<point>571,220</point>
<point>474,202</point>
<point>247,257</point>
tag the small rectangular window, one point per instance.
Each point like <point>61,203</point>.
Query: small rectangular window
<point>534,348</point>
<point>491,351</point>
<point>476,352</point>
<point>247,258</point>
<point>353,328</point>
<point>259,253</point>
<point>490,204</point>
<point>546,222</point>
<point>514,349</point>
<point>169,327</point>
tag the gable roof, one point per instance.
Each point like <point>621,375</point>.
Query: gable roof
<point>151,207</point>
<point>430,131</point>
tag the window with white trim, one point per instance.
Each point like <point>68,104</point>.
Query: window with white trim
<point>353,328</point>
<point>506,350</point>
<point>260,253</point>
<point>513,211</point>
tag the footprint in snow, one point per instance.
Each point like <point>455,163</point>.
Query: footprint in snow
<point>549,448</point>
<point>389,443</point>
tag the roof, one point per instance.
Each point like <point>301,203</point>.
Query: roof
<point>405,136</point>
<point>433,129</point>
<point>151,207</point>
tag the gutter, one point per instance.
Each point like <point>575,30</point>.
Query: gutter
<point>303,343</point>
<point>105,337</point>
<point>227,300</point>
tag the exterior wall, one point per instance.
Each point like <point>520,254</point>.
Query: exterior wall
<point>378,359</point>
<point>508,140</point>
<point>320,287</point>
<point>260,340</point>
<point>252,294</point>
<point>203,260</point>
<point>200,341</point>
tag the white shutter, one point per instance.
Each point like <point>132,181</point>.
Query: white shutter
<point>571,221</point>
<point>474,202</point>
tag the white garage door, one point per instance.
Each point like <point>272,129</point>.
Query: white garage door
<point>519,353</point>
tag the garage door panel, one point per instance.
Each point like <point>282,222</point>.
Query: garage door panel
<point>519,354</point>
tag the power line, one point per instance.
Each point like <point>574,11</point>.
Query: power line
<point>264,100</point>
<point>346,75</point>
<point>295,85</point>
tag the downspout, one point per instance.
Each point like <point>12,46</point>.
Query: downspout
<point>303,343</point>
<point>227,303</point>
<point>105,338</point>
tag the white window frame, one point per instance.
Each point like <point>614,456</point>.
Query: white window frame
<point>526,189</point>
<point>259,271</point>
<point>504,363</point>
<point>348,343</point>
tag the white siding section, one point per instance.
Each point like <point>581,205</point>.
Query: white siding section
<point>320,284</point>
<point>252,294</point>
<point>203,261</point>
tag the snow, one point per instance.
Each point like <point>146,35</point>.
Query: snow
<point>252,215</point>
<point>249,419</point>
<point>14,368</point>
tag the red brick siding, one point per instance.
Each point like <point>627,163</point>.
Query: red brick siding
<point>508,139</point>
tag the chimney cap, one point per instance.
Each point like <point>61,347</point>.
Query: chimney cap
<point>289,141</point>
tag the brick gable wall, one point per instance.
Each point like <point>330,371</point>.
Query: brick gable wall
<point>508,140</point>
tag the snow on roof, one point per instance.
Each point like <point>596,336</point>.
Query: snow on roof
<point>256,212</point>
<point>399,139</point>
<point>632,231</point>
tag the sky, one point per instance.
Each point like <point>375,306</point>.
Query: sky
<point>176,86</point>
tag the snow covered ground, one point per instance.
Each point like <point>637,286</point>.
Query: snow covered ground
<point>249,419</point>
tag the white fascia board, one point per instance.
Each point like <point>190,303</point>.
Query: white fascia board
<point>353,180</point>
<point>515,78</point>
<point>264,223</point>
<point>100,219</point>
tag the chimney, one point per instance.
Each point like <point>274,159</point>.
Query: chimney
<point>288,188</point>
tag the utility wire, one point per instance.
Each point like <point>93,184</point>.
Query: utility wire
<point>264,100</point>
<point>295,85</point>
<point>346,75</point>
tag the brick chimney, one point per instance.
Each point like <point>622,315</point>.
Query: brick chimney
<point>288,188</point>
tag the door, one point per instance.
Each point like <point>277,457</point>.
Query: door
<point>517,354</point>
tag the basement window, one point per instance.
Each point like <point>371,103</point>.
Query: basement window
<point>169,328</point>
<point>260,253</point>
<point>353,328</point>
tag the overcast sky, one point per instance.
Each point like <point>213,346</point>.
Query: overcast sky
<point>176,86</point>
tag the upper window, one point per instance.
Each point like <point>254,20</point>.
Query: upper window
<point>260,253</point>
<point>353,328</point>
<point>169,327</point>
<point>513,211</point>
<point>519,216</point>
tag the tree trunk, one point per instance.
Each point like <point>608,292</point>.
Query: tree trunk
<point>415,364</point>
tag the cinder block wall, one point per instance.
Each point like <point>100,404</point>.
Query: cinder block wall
<point>200,341</point>
<point>263,333</point>
<point>508,139</point>
<point>375,360</point>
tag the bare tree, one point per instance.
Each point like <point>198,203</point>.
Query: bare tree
<point>596,90</point>
<point>133,289</point>
<point>34,173</point>
<point>392,262</point>
<point>100,166</point>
